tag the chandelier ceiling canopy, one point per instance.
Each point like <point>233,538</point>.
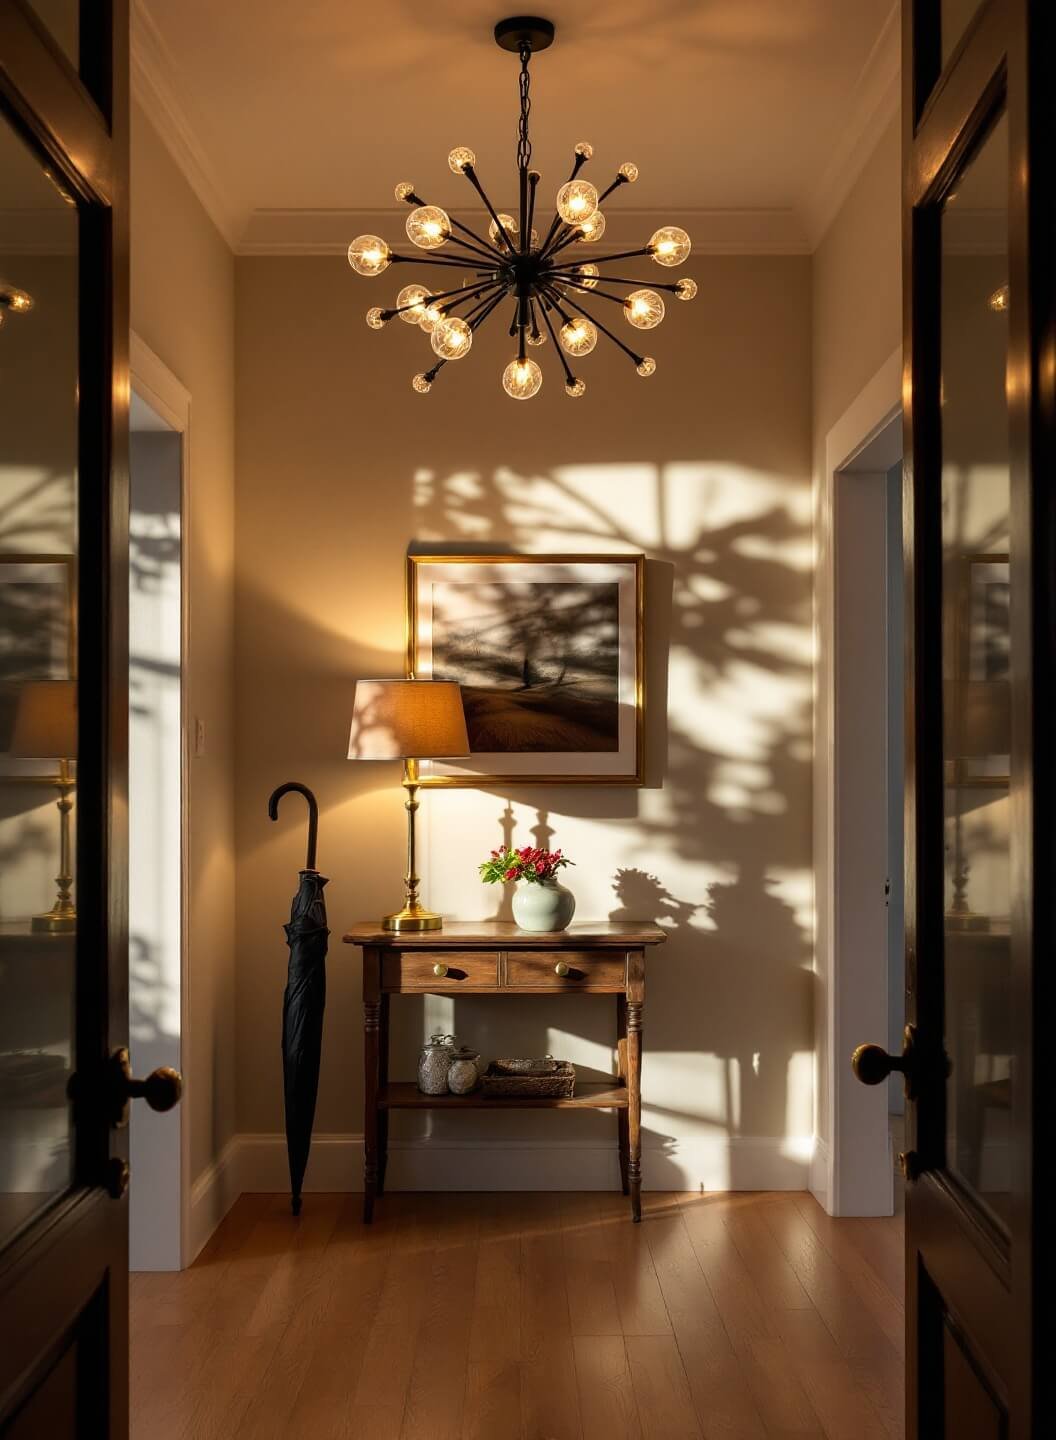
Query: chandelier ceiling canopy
<point>545,276</point>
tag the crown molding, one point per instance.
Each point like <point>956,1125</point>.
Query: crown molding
<point>714,232</point>
<point>154,86</point>
<point>878,96</point>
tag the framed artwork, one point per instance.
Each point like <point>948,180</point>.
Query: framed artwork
<point>37,640</point>
<point>548,651</point>
<point>981,725</point>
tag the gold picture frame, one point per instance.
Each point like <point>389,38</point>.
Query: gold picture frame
<point>607,703</point>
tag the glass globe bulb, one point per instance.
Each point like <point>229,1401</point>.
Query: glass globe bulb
<point>670,245</point>
<point>629,172</point>
<point>410,302</point>
<point>578,336</point>
<point>587,276</point>
<point>644,309</point>
<point>511,226</point>
<point>686,288</point>
<point>537,337</point>
<point>592,229</point>
<point>646,366</point>
<point>575,388</point>
<point>521,379</point>
<point>585,148</point>
<point>369,255</point>
<point>403,189</point>
<point>19,301</point>
<point>376,318</point>
<point>452,338</point>
<point>428,227</point>
<point>461,157</point>
<point>431,317</point>
<point>3,319</point>
<point>422,384</point>
<point>576,201</point>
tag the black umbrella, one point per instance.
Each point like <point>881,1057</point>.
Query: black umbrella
<point>304,1001</point>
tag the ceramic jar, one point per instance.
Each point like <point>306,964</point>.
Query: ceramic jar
<point>544,905</point>
<point>464,1073</point>
<point>434,1063</point>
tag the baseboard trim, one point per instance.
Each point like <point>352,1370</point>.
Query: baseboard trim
<point>821,1174</point>
<point>212,1194</point>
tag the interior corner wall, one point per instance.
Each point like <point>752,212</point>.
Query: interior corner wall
<point>857,326</point>
<point>183,308</point>
<point>705,468</point>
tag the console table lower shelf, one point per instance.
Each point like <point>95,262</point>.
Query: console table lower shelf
<point>499,959</point>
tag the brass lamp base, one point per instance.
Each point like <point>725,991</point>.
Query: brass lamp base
<point>55,922</point>
<point>413,917</point>
<point>965,920</point>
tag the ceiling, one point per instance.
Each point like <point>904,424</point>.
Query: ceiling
<point>731,106</point>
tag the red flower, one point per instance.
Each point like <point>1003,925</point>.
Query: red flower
<point>511,873</point>
<point>540,868</point>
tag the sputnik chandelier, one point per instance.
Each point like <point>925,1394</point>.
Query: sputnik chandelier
<point>545,279</point>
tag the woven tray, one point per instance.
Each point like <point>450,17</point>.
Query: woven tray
<point>502,1079</point>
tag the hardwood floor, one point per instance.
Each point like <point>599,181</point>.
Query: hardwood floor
<point>526,1317</point>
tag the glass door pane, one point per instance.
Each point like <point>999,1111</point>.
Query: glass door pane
<point>62,20</point>
<point>38,731</point>
<point>977,577</point>
<point>955,17</point>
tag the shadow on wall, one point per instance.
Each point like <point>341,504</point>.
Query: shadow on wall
<point>716,847</point>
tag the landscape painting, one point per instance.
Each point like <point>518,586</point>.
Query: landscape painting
<point>546,650</point>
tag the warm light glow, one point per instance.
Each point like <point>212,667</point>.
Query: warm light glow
<point>576,201</point>
<point>376,318</point>
<point>646,366</point>
<point>670,245</point>
<point>460,158</point>
<point>403,189</point>
<point>644,309</point>
<point>510,225</point>
<point>686,288</point>
<point>428,227</point>
<point>415,297</point>
<point>592,229</point>
<point>999,299</point>
<point>575,388</point>
<point>452,338</point>
<point>585,148</point>
<point>629,172</point>
<point>537,337</point>
<point>521,379</point>
<point>578,336</point>
<point>588,275</point>
<point>431,316</point>
<point>422,384</point>
<point>16,300</point>
<point>368,255</point>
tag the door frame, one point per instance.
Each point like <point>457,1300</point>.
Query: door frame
<point>851,1168</point>
<point>168,397</point>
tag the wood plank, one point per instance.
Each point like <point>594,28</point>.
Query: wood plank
<point>589,1271</point>
<point>607,1404</point>
<point>492,1405</point>
<point>549,1393</point>
<point>665,1405</point>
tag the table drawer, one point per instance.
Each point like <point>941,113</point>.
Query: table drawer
<point>586,970</point>
<point>440,970</point>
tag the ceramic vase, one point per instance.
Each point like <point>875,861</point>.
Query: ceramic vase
<point>545,905</point>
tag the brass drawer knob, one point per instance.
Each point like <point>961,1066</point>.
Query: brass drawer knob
<point>439,969</point>
<point>561,969</point>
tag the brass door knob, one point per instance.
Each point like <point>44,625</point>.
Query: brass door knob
<point>439,969</point>
<point>161,1089</point>
<point>561,969</point>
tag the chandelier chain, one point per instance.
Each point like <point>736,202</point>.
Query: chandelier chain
<point>524,144</point>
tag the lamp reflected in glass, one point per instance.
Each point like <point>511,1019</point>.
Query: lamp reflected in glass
<point>46,729</point>
<point>408,720</point>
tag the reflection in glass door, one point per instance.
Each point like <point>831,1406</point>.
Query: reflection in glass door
<point>38,707</point>
<point>976,579</point>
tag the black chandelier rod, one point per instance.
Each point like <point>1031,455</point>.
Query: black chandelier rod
<point>462,264</point>
<point>577,165</point>
<point>534,317</point>
<point>603,328</point>
<point>395,310</point>
<point>470,292</point>
<point>526,237</point>
<point>487,307</point>
<point>557,346</point>
<point>490,255</point>
<point>602,294</point>
<point>568,276</point>
<point>413,200</point>
<point>471,175</point>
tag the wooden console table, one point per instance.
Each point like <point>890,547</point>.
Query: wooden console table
<point>491,958</point>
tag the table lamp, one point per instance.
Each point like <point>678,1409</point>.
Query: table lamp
<point>46,729</point>
<point>408,720</point>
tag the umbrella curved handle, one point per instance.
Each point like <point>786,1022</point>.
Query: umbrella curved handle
<point>313,814</point>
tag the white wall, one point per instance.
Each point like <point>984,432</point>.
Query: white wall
<point>183,309</point>
<point>705,468</point>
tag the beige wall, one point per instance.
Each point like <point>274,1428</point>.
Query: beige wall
<point>857,325</point>
<point>183,308</point>
<point>705,468</point>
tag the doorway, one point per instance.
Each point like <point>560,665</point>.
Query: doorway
<point>158,1200</point>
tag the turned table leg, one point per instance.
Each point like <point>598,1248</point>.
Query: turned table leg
<point>371,1078</point>
<point>634,1105</point>
<point>622,1116</point>
<point>383,1080</point>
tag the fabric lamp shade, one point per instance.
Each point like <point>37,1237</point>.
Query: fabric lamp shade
<point>46,721</point>
<point>407,719</point>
